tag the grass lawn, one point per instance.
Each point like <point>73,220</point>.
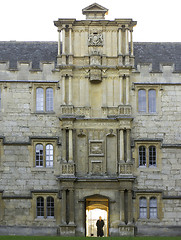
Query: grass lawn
<point>84,238</point>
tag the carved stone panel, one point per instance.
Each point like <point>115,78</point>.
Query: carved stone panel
<point>95,38</point>
<point>96,148</point>
<point>95,75</point>
<point>96,167</point>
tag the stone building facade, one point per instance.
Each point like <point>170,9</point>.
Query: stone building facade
<point>90,125</point>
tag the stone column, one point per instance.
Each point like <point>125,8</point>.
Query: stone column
<point>120,47</point>
<point>131,35</point>
<point>126,41</point>
<point>70,90</point>
<point>128,145</point>
<point>63,90</point>
<point>59,42</point>
<point>130,218</point>
<point>71,206</point>
<point>70,46</point>
<point>127,47</point>
<point>63,47</point>
<point>70,40</point>
<point>121,132</point>
<point>122,216</point>
<point>64,145</point>
<point>121,89</point>
<point>63,41</point>
<point>127,90</point>
<point>63,207</point>
<point>70,145</point>
<point>120,41</point>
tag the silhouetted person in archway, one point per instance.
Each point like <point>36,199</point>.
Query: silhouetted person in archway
<point>100,225</point>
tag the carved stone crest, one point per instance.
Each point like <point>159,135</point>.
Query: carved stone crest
<point>95,38</point>
<point>96,148</point>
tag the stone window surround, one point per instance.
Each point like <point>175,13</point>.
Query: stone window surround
<point>147,88</point>
<point>148,196</point>
<point>43,142</point>
<point>45,196</point>
<point>44,86</point>
<point>148,144</point>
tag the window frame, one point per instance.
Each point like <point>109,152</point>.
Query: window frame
<point>44,108</point>
<point>44,143</point>
<point>148,196</point>
<point>147,89</point>
<point>45,196</point>
<point>40,208</point>
<point>143,208</point>
<point>147,145</point>
<point>50,208</point>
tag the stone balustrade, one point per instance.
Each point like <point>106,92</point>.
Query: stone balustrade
<point>77,111</point>
<point>67,110</point>
<point>115,111</point>
<point>68,169</point>
<point>125,168</point>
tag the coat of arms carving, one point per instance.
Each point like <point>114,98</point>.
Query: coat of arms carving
<point>95,38</point>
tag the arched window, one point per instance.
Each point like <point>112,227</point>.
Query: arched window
<point>142,100</point>
<point>49,155</point>
<point>40,207</point>
<point>39,155</point>
<point>142,156</point>
<point>143,207</point>
<point>152,156</point>
<point>39,99</point>
<point>49,99</point>
<point>153,207</point>
<point>152,101</point>
<point>50,207</point>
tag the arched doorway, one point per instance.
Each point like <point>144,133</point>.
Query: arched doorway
<point>96,206</point>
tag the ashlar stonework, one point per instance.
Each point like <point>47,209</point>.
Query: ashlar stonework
<point>89,126</point>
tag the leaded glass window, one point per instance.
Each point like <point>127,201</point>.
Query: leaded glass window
<point>39,155</point>
<point>143,207</point>
<point>49,99</point>
<point>39,99</point>
<point>40,207</point>
<point>142,156</point>
<point>152,101</point>
<point>142,100</point>
<point>50,207</point>
<point>153,207</point>
<point>152,156</point>
<point>49,155</point>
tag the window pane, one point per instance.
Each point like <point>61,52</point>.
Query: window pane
<point>152,101</point>
<point>142,156</point>
<point>49,155</point>
<point>49,99</point>
<point>40,207</point>
<point>39,99</point>
<point>50,207</point>
<point>143,207</point>
<point>153,208</point>
<point>39,155</point>
<point>142,100</point>
<point>152,156</point>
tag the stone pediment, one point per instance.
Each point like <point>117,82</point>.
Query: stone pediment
<point>94,11</point>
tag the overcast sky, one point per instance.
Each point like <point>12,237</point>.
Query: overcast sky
<point>32,20</point>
